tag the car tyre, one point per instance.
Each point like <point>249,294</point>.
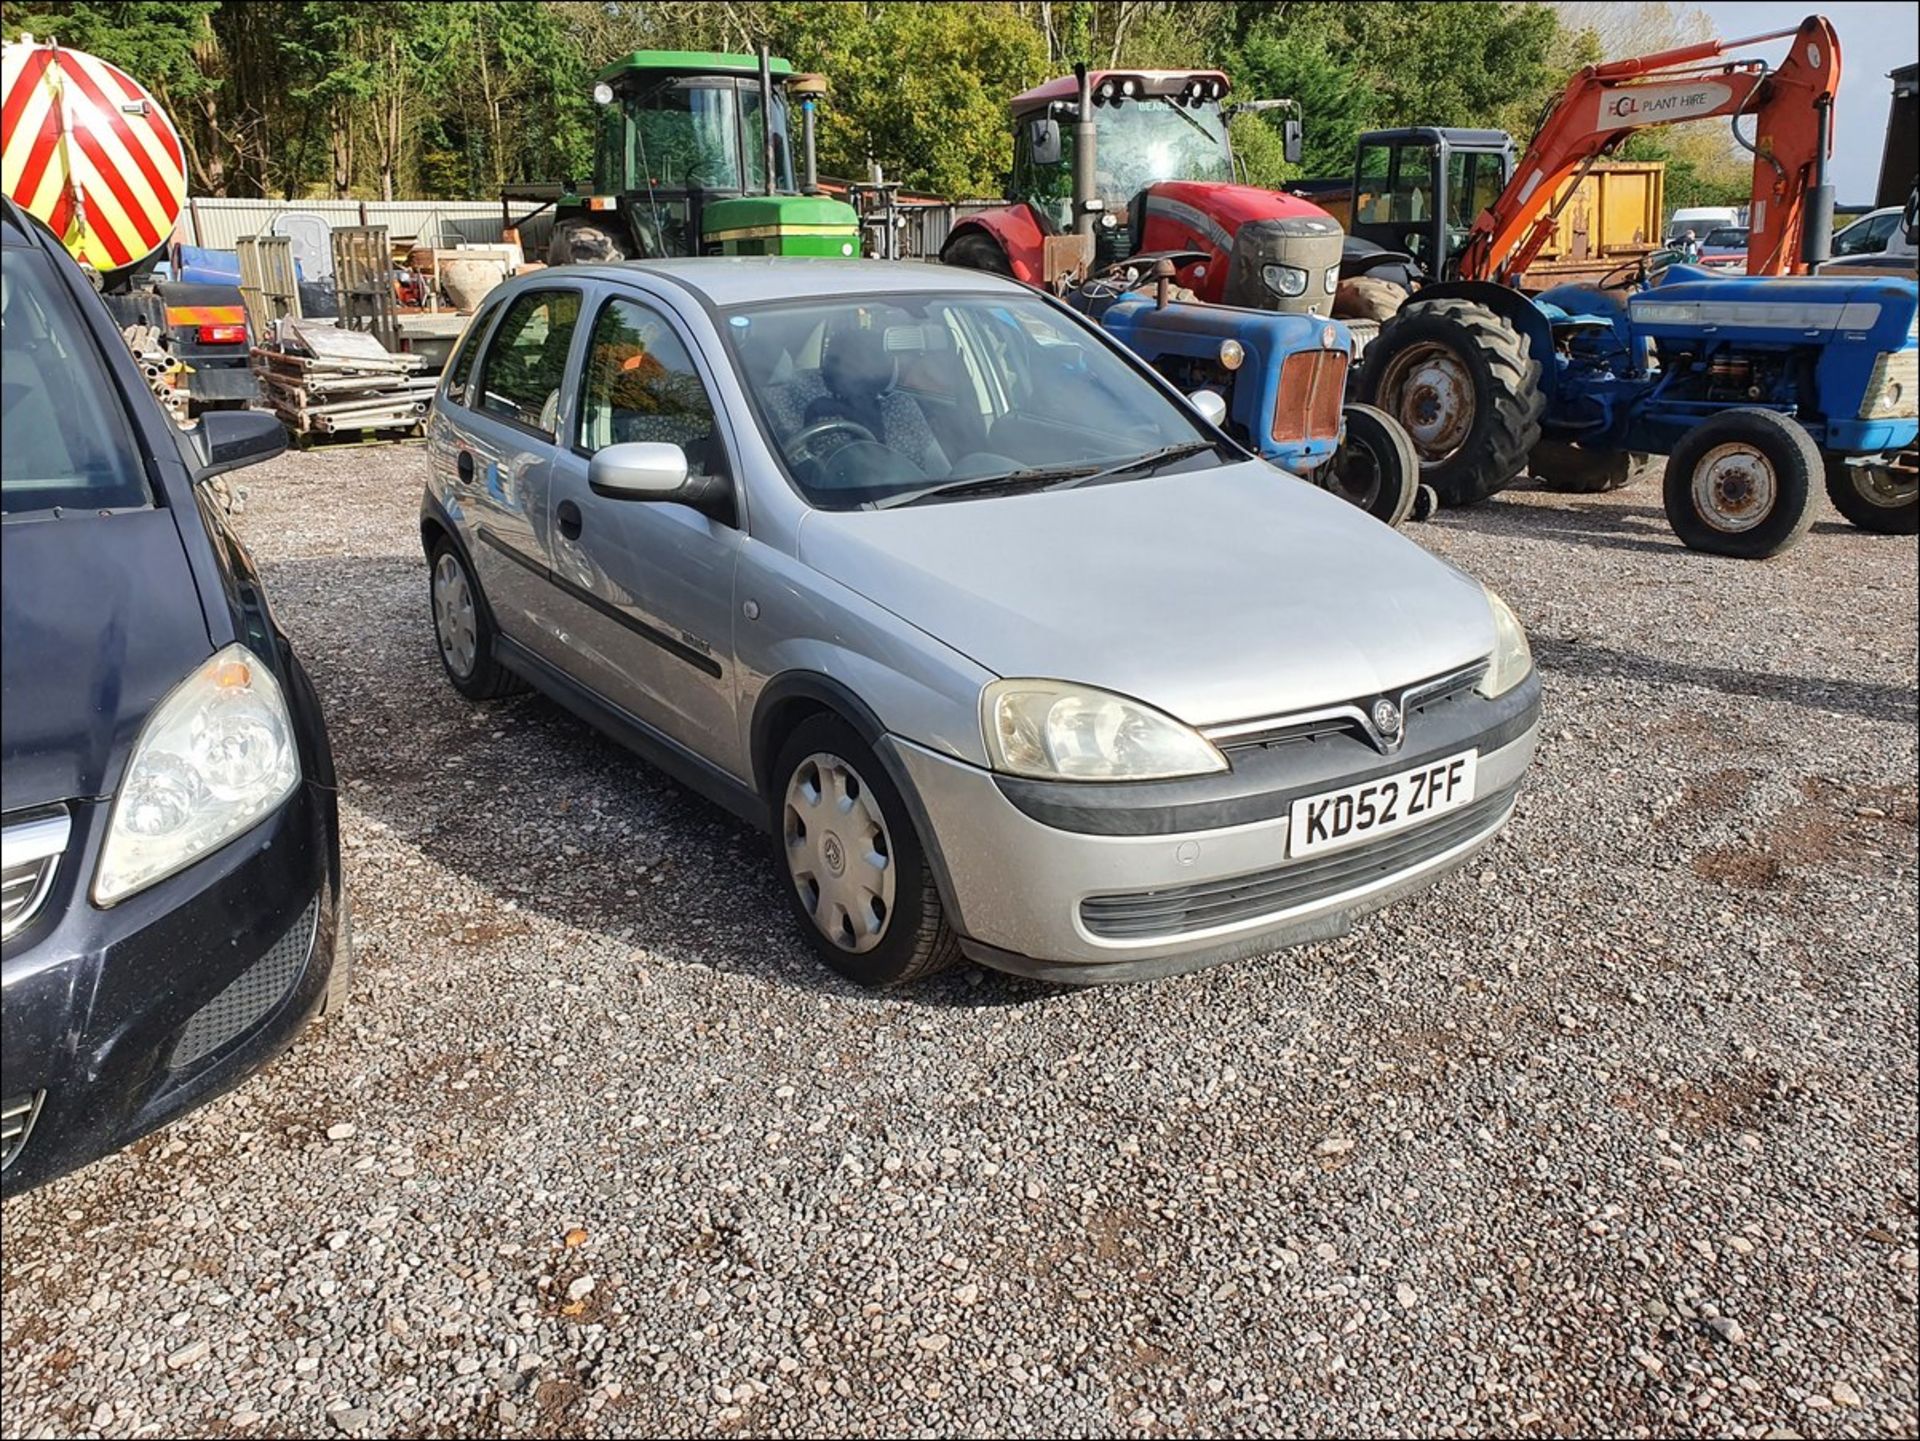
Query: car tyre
<point>1741,484</point>
<point>1882,498</point>
<point>463,629</point>
<point>852,862</point>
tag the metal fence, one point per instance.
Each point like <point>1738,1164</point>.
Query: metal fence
<point>218,222</point>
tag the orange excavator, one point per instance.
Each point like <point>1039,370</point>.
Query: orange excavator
<point>1792,106</point>
<point>1458,205</point>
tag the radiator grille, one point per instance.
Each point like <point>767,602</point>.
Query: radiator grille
<point>33,847</point>
<point>1312,383</point>
<point>1181,909</point>
<point>17,1116</point>
<point>251,994</point>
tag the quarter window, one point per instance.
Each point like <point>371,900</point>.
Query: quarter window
<point>640,384</point>
<point>520,378</point>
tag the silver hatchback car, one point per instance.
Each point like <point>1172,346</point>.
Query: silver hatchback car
<point>1012,653</point>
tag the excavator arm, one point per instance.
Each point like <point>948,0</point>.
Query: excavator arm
<point>1604,104</point>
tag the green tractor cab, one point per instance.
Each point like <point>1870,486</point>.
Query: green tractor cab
<point>693,156</point>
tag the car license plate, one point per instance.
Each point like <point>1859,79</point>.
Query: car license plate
<point>1347,817</point>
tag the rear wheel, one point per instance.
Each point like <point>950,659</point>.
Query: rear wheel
<point>856,871</point>
<point>1741,484</point>
<point>583,242</point>
<point>1376,466</point>
<point>1571,469</point>
<point>977,251</point>
<point>1459,378</point>
<point>463,629</point>
<point>1882,497</point>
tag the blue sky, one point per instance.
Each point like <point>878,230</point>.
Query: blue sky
<point>1875,36</point>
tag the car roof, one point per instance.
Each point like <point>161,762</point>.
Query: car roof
<point>726,280</point>
<point>14,224</point>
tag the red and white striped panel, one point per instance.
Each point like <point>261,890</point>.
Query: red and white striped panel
<point>91,153</point>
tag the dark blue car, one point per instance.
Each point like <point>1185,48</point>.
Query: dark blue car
<point>171,913</point>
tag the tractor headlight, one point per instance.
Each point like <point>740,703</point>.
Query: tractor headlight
<point>214,757</point>
<point>1287,280</point>
<point>1892,392</point>
<point>1056,731</point>
<point>1232,354</point>
<point>1331,279</point>
<point>1512,657</point>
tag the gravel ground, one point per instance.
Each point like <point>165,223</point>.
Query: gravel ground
<point>1613,1132</point>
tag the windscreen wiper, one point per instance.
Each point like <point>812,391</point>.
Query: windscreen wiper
<point>1013,480</point>
<point>1140,462</point>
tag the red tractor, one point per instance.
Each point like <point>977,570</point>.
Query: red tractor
<point>1162,182</point>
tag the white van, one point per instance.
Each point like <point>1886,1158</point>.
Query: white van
<point>1700,219</point>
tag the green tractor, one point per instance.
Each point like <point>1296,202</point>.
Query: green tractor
<point>685,162</point>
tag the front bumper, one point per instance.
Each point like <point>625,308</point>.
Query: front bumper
<point>1038,898</point>
<point>115,1021</point>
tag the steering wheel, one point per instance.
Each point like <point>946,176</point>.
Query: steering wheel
<point>800,446</point>
<point>1630,276</point>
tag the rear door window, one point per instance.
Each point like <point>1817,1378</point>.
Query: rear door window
<point>527,359</point>
<point>68,440</point>
<point>461,371</point>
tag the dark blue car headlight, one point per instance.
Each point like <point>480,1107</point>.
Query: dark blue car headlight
<point>215,756</point>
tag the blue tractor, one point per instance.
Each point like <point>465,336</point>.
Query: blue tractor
<point>1283,381</point>
<point>1756,389</point>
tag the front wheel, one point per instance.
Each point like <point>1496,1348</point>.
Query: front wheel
<point>977,251</point>
<point>1882,496</point>
<point>856,871</point>
<point>1741,484</point>
<point>582,242</point>
<point>1376,466</point>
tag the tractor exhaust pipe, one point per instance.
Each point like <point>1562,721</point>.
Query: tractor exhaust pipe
<point>812,185</point>
<point>766,112</point>
<point>1083,157</point>
<point>1816,235</point>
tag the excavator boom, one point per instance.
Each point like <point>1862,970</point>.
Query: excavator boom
<point>1792,108</point>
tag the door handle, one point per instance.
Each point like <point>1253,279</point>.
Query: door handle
<point>464,465</point>
<point>569,520</point>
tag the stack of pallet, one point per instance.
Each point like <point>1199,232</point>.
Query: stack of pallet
<point>318,377</point>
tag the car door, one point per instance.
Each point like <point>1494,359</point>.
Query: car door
<point>503,458</point>
<point>646,587</point>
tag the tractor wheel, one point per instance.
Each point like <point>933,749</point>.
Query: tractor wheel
<point>977,251</point>
<point>1459,378</point>
<point>1741,484</point>
<point>583,242</point>
<point>1367,298</point>
<point>1571,469</point>
<point>1376,466</point>
<point>1883,497</point>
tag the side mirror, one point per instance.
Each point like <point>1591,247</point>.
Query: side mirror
<point>229,439</point>
<point>639,470</point>
<point>1210,405</point>
<point>1290,139</point>
<point>1043,140</point>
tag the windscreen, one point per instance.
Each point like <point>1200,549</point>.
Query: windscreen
<point>64,438</point>
<point>870,400</point>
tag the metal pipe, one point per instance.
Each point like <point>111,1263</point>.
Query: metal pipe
<point>1816,234</point>
<point>812,186</point>
<point>1083,155</point>
<point>766,112</point>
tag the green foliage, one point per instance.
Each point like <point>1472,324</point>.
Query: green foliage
<point>294,97</point>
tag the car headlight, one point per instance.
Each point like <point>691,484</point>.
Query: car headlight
<point>1287,280</point>
<point>1512,658</point>
<point>214,757</point>
<point>1054,731</point>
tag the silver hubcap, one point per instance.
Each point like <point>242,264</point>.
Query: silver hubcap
<point>453,620</point>
<point>1734,488</point>
<point>838,852</point>
<point>1432,396</point>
